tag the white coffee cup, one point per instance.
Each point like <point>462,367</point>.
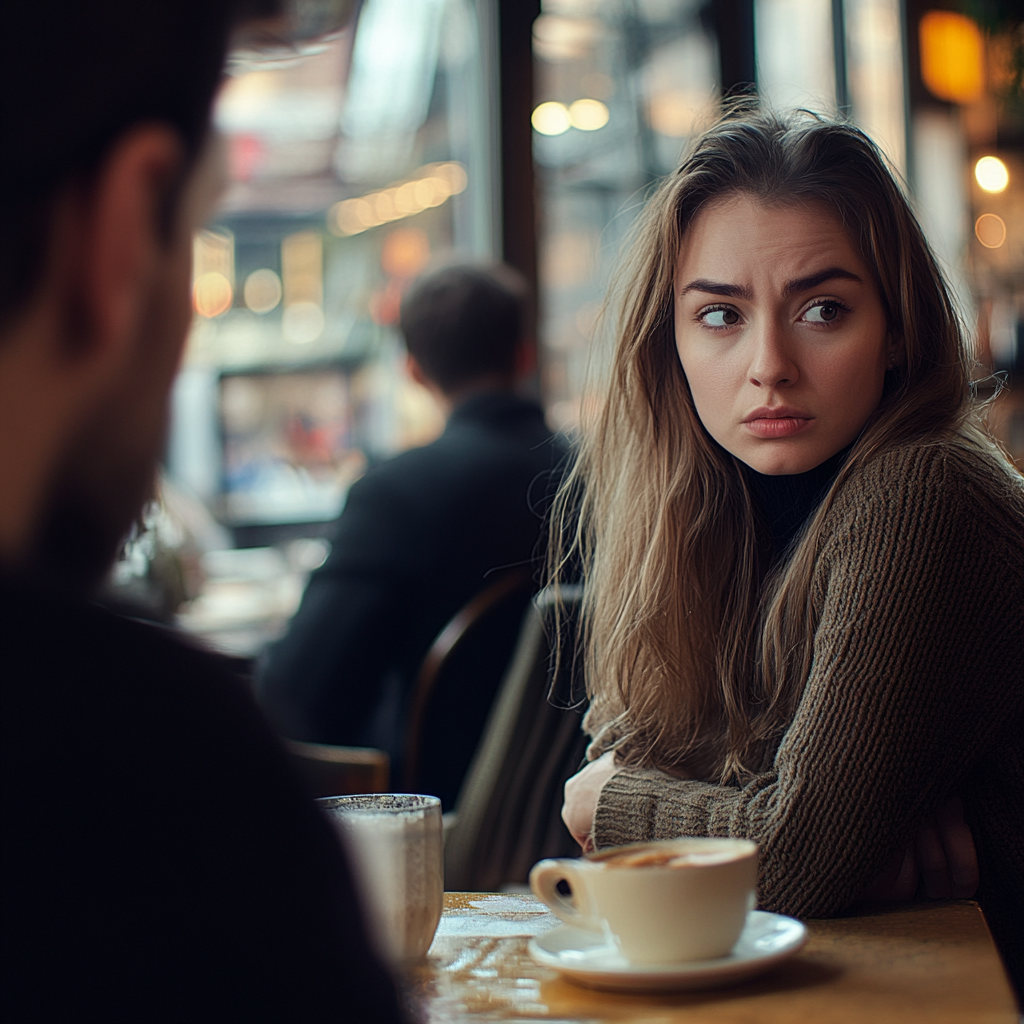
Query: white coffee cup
<point>660,902</point>
<point>394,844</point>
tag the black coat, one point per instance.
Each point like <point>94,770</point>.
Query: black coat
<point>161,861</point>
<point>420,535</point>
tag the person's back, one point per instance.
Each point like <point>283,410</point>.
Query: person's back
<point>160,858</point>
<point>422,533</point>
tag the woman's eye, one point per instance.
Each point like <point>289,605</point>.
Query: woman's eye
<point>719,317</point>
<point>823,313</point>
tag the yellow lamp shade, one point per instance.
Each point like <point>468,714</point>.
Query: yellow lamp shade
<point>952,57</point>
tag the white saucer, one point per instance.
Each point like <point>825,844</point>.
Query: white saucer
<point>586,957</point>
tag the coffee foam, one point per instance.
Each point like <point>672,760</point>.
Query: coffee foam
<point>669,855</point>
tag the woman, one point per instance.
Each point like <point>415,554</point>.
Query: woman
<point>803,555</point>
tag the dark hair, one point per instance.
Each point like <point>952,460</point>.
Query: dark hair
<point>463,323</point>
<point>74,78</point>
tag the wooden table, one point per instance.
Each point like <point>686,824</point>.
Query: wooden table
<point>928,962</point>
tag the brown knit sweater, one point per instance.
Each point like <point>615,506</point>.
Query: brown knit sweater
<point>916,691</point>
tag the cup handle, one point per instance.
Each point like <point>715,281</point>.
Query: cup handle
<point>544,879</point>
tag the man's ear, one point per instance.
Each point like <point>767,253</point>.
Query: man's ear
<point>123,233</point>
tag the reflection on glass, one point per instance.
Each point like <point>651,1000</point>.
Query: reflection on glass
<point>874,41</point>
<point>351,165</point>
<point>619,88</point>
<point>795,56</point>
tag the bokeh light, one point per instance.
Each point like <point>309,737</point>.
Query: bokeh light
<point>405,252</point>
<point>952,56</point>
<point>262,291</point>
<point>588,115</point>
<point>302,322</point>
<point>991,174</point>
<point>551,118</point>
<point>212,294</point>
<point>990,230</point>
<point>433,185</point>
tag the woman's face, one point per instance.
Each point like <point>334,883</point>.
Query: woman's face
<point>780,331</point>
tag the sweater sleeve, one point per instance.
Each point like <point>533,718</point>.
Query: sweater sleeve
<point>918,646</point>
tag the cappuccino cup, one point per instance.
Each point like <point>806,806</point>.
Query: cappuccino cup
<point>395,848</point>
<point>661,902</point>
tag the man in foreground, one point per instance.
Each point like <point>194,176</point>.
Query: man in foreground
<point>159,859</point>
<point>422,534</point>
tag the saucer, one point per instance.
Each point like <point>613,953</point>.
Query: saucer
<point>586,958</point>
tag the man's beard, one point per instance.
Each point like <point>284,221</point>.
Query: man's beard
<point>87,514</point>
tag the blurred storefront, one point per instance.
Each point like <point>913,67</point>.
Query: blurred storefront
<point>531,131</point>
<point>353,165</point>
<point>622,84</point>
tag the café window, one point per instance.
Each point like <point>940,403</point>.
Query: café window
<point>619,88</point>
<point>352,165</point>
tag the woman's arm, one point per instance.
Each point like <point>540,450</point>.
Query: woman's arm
<point>915,660</point>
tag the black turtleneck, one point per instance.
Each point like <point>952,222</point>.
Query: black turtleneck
<point>786,502</point>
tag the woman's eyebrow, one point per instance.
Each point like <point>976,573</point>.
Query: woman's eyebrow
<point>802,284</point>
<point>732,291</point>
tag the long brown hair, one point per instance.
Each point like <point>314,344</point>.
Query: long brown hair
<point>692,658</point>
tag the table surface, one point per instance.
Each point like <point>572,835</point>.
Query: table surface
<point>933,962</point>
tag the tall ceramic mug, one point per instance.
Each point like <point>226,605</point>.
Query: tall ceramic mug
<point>394,843</point>
<point>661,902</point>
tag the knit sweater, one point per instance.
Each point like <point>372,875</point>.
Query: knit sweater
<point>916,691</point>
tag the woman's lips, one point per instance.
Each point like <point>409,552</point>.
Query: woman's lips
<point>771,423</point>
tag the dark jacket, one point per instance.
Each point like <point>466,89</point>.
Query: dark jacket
<point>420,536</point>
<point>160,860</point>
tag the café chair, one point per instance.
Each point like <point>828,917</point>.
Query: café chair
<point>508,814</point>
<point>341,771</point>
<point>456,685</point>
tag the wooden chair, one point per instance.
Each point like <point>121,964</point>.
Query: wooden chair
<point>456,685</point>
<point>508,814</point>
<point>341,771</point>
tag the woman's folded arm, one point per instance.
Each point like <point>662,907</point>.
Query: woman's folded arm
<point>917,589</point>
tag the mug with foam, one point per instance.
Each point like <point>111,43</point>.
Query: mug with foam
<point>395,846</point>
<point>661,902</point>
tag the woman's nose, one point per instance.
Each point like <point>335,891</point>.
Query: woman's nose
<point>771,364</point>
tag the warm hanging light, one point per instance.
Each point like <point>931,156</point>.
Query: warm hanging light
<point>991,174</point>
<point>212,294</point>
<point>588,115</point>
<point>952,57</point>
<point>551,118</point>
<point>434,185</point>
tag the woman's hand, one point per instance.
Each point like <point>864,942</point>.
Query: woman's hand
<point>581,795</point>
<point>942,855</point>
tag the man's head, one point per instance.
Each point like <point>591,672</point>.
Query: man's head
<point>107,168</point>
<point>463,326</point>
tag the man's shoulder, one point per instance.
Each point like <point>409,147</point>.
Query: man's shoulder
<point>153,823</point>
<point>75,672</point>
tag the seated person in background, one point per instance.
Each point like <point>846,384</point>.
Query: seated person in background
<point>424,532</point>
<point>803,554</point>
<point>160,860</point>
